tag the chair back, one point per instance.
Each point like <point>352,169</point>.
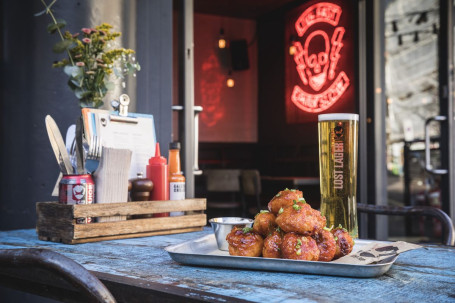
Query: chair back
<point>223,180</point>
<point>41,264</point>
<point>449,232</point>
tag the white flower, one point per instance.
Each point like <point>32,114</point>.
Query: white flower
<point>123,84</point>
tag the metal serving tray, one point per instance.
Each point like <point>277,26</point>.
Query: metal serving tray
<point>204,252</point>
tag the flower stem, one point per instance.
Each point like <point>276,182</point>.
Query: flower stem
<point>49,12</point>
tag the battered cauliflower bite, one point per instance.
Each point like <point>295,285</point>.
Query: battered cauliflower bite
<point>284,198</point>
<point>300,218</point>
<point>264,223</point>
<point>299,247</point>
<point>272,245</point>
<point>344,242</point>
<point>326,244</point>
<point>244,242</point>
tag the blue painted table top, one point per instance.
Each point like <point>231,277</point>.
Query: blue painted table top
<point>421,275</point>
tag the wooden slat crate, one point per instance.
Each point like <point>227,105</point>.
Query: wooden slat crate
<point>57,222</point>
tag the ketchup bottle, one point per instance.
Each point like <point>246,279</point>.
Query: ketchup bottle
<point>157,172</point>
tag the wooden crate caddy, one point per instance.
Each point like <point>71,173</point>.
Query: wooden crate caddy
<point>57,222</point>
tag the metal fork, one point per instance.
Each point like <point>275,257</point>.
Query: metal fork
<point>93,155</point>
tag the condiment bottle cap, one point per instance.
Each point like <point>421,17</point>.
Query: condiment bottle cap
<point>157,160</point>
<point>174,145</point>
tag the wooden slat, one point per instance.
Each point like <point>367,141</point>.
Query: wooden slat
<point>135,235</point>
<point>138,208</point>
<point>123,209</point>
<point>137,226</point>
<point>56,222</point>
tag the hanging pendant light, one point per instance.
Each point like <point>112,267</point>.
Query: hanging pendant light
<point>230,81</point>
<point>221,40</point>
<point>292,48</point>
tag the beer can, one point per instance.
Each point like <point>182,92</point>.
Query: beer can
<point>77,189</point>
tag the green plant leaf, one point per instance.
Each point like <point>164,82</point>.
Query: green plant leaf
<point>76,82</point>
<point>80,94</point>
<point>110,85</point>
<point>118,73</point>
<point>73,71</point>
<point>62,46</point>
<point>138,67</point>
<point>52,27</point>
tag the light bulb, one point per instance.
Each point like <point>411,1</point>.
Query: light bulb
<point>230,82</point>
<point>221,43</point>
<point>292,50</point>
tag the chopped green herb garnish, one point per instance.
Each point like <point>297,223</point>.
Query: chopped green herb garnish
<point>336,238</point>
<point>264,211</point>
<point>281,211</point>
<point>299,244</point>
<point>298,252</point>
<point>246,230</point>
<point>277,195</point>
<point>278,229</point>
<point>286,189</point>
<point>302,200</point>
<point>327,229</point>
<point>296,207</point>
<point>293,190</point>
<point>294,201</point>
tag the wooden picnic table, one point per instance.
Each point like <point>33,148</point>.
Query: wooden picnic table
<point>140,270</point>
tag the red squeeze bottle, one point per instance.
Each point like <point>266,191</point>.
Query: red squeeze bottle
<point>157,171</point>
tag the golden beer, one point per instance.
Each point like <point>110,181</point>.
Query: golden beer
<point>338,140</point>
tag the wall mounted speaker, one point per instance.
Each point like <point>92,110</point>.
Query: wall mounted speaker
<point>239,55</point>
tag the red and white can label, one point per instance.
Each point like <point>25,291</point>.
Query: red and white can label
<point>77,189</point>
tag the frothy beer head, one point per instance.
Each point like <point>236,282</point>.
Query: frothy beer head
<point>337,117</point>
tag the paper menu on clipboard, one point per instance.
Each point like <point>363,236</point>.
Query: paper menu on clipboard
<point>137,135</point>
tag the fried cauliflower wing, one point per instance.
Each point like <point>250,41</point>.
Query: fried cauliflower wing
<point>245,242</point>
<point>284,198</point>
<point>264,223</point>
<point>344,242</point>
<point>326,244</point>
<point>300,218</point>
<point>272,245</point>
<point>299,247</point>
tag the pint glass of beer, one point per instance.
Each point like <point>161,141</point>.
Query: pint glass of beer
<point>338,140</point>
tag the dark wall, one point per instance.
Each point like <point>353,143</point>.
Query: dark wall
<point>31,89</point>
<point>286,149</point>
<point>273,128</point>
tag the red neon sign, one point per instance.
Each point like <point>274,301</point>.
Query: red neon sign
<point>317,59</point>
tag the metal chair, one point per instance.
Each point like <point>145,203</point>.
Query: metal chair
<point>447,223</point>
<point>223,190</point>
<point>43,272</point>
<point>251,188</point>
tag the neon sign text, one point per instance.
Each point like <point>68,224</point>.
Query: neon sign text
<point>317,59</point>
<point>320,12</point>
<point>317,103</point>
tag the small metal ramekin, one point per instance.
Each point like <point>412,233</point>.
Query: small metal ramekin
<point>223,225</point>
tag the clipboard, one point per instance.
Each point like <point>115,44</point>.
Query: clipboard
<point>132,131</point>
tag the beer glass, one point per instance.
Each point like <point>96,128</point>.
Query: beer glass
<point>338,140</point>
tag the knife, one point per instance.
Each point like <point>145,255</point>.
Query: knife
<point>58,145</point>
